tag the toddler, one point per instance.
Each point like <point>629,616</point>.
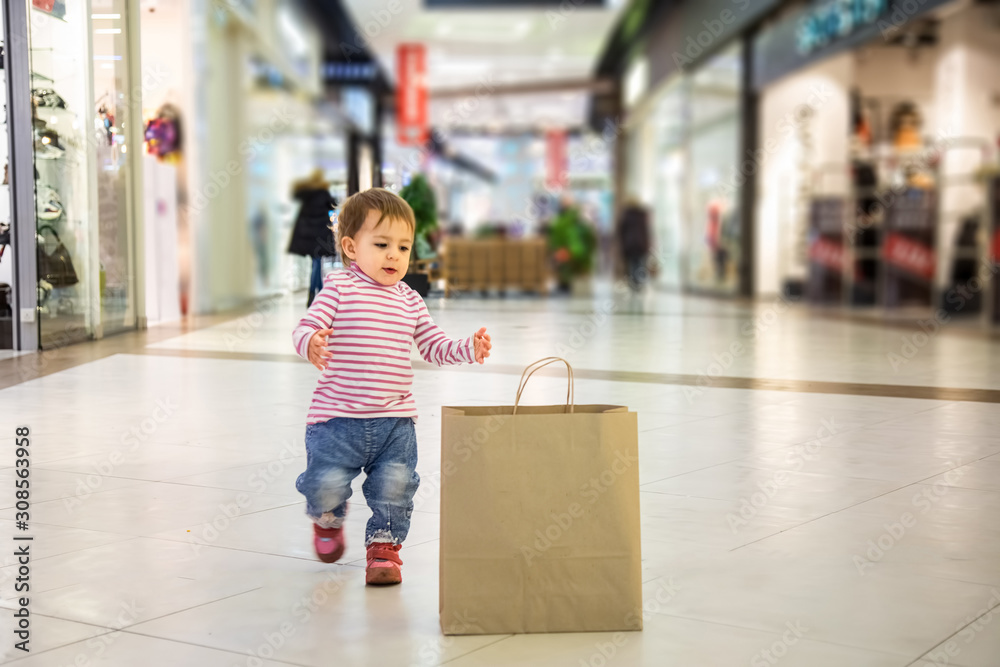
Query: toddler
<point>358,332</point>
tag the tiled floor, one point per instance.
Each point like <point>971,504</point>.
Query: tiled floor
<point>168,530</point>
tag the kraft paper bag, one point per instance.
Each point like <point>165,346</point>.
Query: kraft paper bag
<point>540,517</point>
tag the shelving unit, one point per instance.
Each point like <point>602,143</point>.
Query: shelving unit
<point>880,246</point>
<point>909,249</point>
<point>826,250</point>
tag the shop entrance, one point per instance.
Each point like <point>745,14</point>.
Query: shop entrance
<point>877,162</point>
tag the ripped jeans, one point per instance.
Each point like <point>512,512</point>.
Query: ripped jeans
<point>338,449</point>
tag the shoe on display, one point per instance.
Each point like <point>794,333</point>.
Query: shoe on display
<point>383,564</point>
<point>48,145</point>
<point>49,204</point>
<point>44,292</point>
<point>46,97</point>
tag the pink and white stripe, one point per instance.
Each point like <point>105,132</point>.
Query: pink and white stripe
<point>374,328</point>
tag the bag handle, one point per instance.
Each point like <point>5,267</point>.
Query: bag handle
<point>43,228</point>
<point>542,363</point>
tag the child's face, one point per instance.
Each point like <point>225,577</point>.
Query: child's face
<point>382,252</point>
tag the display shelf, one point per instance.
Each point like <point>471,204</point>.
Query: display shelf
<point>826,247</point>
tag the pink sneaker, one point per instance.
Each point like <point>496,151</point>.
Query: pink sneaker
<point>383,564</point>
<point>329,543</point>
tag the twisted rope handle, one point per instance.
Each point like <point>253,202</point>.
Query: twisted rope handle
<point>542,363</point>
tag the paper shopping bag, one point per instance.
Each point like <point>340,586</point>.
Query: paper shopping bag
<point>540,518</point>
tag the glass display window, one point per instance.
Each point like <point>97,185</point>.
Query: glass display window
<point>60,105</point>
<point>79,82</point>
<point>6,252</point>
<point>113,175</point>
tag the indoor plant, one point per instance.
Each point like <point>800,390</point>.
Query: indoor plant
<point>420,196</point>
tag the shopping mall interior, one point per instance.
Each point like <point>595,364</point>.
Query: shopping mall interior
<point>717,372</point>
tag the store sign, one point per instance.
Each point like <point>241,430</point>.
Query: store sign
<point>827,253</point>
<point>910,255</point>
<point>411,95</point>
<point>555,159</point>
<point>824,28</point>
<point>835,20</point>
<point>338,72</point>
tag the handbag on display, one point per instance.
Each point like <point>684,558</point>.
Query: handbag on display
<point>5,307</point>
<point>56,267</point>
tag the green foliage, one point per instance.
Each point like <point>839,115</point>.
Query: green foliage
<point>570,232</point>
<point>419,195</point>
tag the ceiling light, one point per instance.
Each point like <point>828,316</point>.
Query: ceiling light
<point>108,31</point>
<point>105,16</point>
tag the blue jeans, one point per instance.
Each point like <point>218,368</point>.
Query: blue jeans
<point>636,272</point>
<point>338,449</point>
<point>315,279</point>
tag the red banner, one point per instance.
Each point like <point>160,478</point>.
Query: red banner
<point>411,95</point>
<point>995,254</point>
<point>912,256</point>
<point>555,159</point>
<point>827,253</point>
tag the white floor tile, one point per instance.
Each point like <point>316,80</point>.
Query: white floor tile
<point>764,507</point>
<point>124,648</point>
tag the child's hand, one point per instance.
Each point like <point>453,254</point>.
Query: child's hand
<point>318,353</point>
<point>482,343</point>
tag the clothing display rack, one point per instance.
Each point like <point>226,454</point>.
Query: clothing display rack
<point>877,241</point>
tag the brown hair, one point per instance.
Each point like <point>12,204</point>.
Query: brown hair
<point>356,207</point>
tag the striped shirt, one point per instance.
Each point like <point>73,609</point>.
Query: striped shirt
<point>374,327</point>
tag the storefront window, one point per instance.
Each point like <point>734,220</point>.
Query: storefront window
<point>79,73</point>
<point>713,180</point>
<point>113,158</point>
<point>6,252</point>
<point>683,163</point>
<point>670,236</point>
<point>61,119</point>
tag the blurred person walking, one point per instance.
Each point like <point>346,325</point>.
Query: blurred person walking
<point>311,235</point>
<point>634,241</point>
